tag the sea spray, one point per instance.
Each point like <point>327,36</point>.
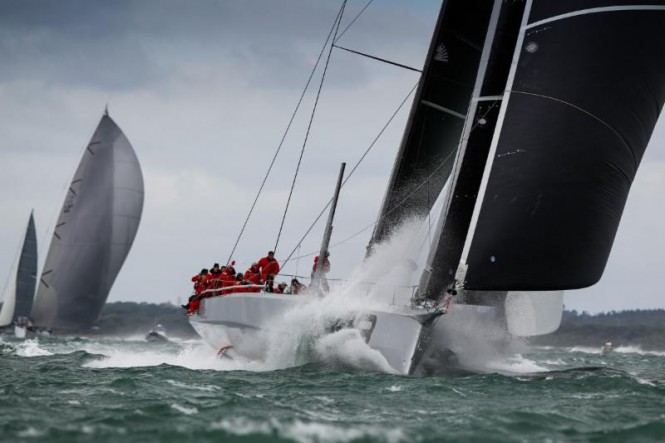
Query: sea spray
<point>30,348</point>
<point>320,329</point>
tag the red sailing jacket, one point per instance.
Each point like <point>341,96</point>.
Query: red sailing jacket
<point>326,264</point>
<point>199,284</point>
<point>268,266</point>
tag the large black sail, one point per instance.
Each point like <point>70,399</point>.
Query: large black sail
<point>427,153</point>
<point>588,88</point>
<point>94,232</point>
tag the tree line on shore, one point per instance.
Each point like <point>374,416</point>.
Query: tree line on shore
<point>644,328</point>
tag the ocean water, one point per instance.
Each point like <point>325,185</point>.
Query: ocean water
<point>113,390</point>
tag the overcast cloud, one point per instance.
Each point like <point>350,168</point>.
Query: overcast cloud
<point>204,90</point>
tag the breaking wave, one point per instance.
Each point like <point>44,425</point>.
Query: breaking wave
<point>31,348</point>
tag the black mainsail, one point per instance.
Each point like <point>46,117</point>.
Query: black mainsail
<point>587,87</point>
<point>20,288</point>
<point>93,234</point>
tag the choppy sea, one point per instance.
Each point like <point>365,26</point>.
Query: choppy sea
<point>113,390</point>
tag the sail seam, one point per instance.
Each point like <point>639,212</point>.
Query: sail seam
<point>443,109</point>
<point>488,98</point>
<point>584,111</point>
<point>596,11</point>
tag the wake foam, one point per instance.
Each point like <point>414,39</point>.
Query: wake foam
<point>637,350</point>
<point>308,432</point>
<point>30,348</point>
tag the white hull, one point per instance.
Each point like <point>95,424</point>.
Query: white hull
<point>242,321</point>
<point>20,331</point>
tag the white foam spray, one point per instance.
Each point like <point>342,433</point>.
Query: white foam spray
<point>316,331</point>
<point>30,348</point>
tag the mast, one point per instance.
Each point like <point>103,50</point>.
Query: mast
<point>327,233</point>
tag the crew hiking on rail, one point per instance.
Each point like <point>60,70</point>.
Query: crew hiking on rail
<point>259,276</point>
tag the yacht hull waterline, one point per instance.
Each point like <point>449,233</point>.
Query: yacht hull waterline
<point>249,322</point>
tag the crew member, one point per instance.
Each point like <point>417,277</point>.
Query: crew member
<point>325,270</point>
<point>296,287</point>
<point>199,286</point>
<point>214,280</point>
<point>279,289</point>
<point>269,268</point>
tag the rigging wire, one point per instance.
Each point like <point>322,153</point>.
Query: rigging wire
<point>288,127</point>
<point>397,205</point>
<point>352,22</point>
<point>309,126</point>
<point>376,139</point>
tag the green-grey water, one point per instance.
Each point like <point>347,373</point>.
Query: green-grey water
<point>80,390</point>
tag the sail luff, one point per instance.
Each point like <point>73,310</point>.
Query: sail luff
<point>380,227</point>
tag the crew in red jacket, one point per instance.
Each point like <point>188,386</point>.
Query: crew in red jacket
<point>214,280</point>
<point>326,269</point>
<point>200,281</point>
<point>253,277</point>
<point>269,268</point>
<point>253,270</point>
<point>199,286</point>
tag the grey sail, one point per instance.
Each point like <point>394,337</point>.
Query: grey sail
<point>94,232</point>
<point>20,289</point>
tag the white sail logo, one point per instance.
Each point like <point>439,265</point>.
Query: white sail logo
<point>441,53</point>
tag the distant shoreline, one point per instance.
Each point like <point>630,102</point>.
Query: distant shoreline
<point>643,328</point>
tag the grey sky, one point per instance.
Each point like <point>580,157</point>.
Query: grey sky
<point>203,90</point>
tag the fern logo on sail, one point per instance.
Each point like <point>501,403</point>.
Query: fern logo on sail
<point>441,54</point>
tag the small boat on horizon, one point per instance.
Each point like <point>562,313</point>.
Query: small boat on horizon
<point>607,348</point>
<point>157,334</point>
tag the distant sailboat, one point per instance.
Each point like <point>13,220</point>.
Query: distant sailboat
<point>20,289</point>
<point>94,233</point>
